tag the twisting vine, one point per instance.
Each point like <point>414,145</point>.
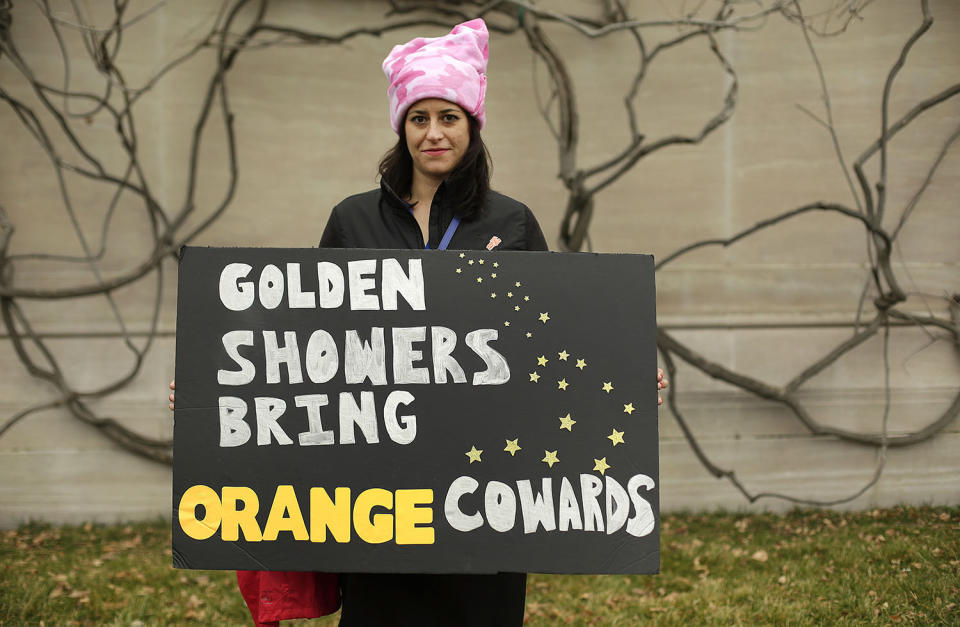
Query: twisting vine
<point>242,25</point>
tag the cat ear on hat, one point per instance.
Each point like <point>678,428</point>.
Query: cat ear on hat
<point>481,38</point>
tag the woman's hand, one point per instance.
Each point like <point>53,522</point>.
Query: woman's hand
<point>661,384</point>
<point>174,387</point>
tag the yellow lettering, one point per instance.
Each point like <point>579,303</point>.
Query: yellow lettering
<point>333,515</point>
<point>235,519</point>
<point>187,512</point>
<point>410,514</point>
<point>235,510</point>
<point>380,530</point>
<point>285,515</point>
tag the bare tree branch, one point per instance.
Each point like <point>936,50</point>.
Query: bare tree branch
<point>763,224</point>
<point>885,103</point>
<point>227,38</point>
<point>825,93</point>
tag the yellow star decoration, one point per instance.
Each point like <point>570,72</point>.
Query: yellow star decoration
<point>628,408</point>
<point>544,317</point>
<point>517,284</point>
<point>473,454</point>
<point>616,437</point>
<point>493,294</point>
<point>566,422</point>
<point>550,458</point>
<point>563,355</point>
<point>529,335</point>
<point>459,270</point>
<point>562,384</point>
<point>512,447</point>
<point>506,323</point>
<point>534,376</point>
<point>601,465</point>
<point>509,294</point>
<point>607,386</point>
<point>470,261</point>
<point>496,265</point>
<point>516,307</point>
<point>581,363</point>
<point>480,262</point>
<point>462,255</point>
<point>479,279</point>
<point>526,298</point>
<point>493,275</point>
<point>542,360</point>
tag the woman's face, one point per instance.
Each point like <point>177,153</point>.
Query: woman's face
<point>438,135</point>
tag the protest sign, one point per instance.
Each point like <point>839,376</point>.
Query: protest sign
<point>415,411</point>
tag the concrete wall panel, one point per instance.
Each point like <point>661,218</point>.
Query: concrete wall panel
<point>311,125</point>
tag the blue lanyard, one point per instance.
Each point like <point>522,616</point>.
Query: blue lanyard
<point>448,234</point>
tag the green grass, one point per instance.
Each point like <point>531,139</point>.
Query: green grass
<point>898,565</point>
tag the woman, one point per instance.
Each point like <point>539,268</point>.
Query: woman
<point>434,193</point>
<point>435,182</point>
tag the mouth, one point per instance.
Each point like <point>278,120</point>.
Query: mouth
<point>435,152</point>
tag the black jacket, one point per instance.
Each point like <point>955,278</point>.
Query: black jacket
<point>380,219</point>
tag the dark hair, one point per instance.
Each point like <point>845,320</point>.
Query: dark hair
<point>467,185</point>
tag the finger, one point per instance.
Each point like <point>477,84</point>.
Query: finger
<point>659,374</point>
<point>659,400</point>
<point>170,406</point>
<point>172,399</point>
<point>664,384</point>
<point>173,385</point>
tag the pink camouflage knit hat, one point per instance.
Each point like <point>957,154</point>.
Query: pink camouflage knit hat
<point>452,67</point>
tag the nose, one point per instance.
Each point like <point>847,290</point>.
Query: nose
<point>434,132</point>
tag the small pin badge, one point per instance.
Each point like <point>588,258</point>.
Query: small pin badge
<point>493,243</point>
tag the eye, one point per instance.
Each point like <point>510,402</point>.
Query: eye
<point>418,119</point>
<point>450,118</point>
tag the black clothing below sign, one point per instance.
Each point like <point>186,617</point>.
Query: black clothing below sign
<point>461,600</point>
<point>380,219</point>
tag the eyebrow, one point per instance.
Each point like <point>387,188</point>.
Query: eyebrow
<point>424,111</point>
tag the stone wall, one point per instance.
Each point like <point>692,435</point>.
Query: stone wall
<point>311,125</point>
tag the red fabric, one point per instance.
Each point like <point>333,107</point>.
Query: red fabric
<point>273,596</point>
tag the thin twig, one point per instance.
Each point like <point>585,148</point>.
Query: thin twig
<point>825,93</point>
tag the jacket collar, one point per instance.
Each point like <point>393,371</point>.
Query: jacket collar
<point>394,200</point>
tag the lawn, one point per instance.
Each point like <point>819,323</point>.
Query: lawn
<point>898,565</point>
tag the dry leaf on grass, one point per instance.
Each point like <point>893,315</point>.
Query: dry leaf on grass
<point>760,556</point>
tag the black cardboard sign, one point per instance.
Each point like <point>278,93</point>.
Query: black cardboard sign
<point>415,411</point>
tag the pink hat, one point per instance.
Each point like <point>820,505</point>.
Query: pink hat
<point>452,67</point>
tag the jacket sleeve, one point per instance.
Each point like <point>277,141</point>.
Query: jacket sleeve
<point>534,235</point>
